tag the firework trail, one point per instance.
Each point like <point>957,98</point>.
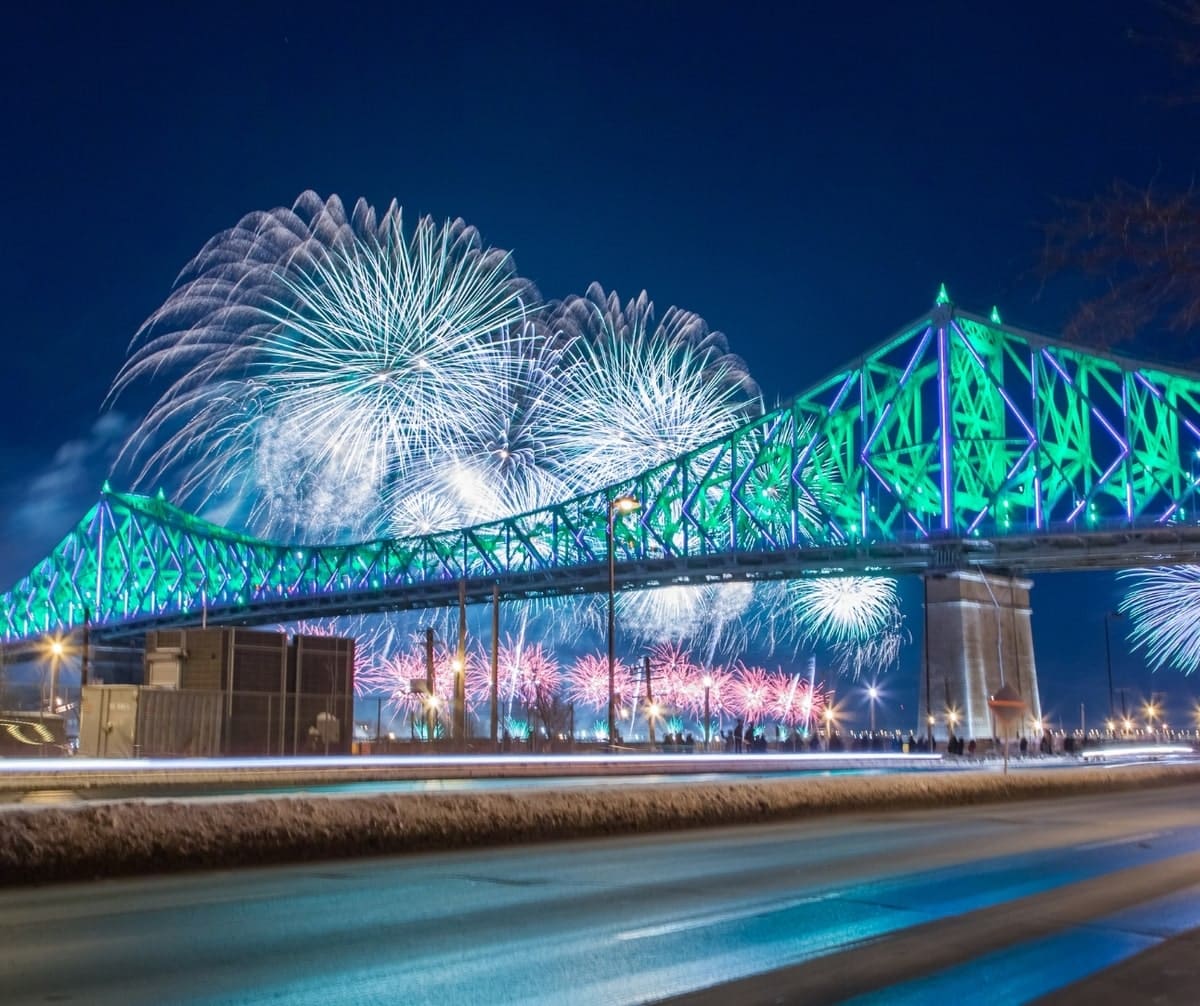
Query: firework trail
<point>636,393</point>
<point>587,682</point>
<point>859,616</point>
<point>1163,604</point>
<point>346,378</point>
<point>319,352</point>
<point>796,700</point>
<point>752,692</point>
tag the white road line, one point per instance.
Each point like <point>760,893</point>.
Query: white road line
<point>715,918</point>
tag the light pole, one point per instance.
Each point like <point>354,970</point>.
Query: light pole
<point>1151,711</point>
<point>1108,617</point>
<point>872,695</point>
<point>57,650</point>
<point>624,504</point>
<point>708,682</point>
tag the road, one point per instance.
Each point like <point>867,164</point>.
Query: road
<point>898,907</point>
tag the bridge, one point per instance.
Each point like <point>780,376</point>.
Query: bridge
<point>961,448</point>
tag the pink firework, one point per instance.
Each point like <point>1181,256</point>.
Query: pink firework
<point>393,677</point>
<point>527,672</point>
<point>479,679</point>
<point>373,639</point>
<point>752,692</point>
<point>721,688</point>
<point>587,682</point>
<point>672,674</point>
<point>797,701</point>
<point>390,677</point>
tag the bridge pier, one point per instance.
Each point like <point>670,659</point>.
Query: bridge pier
<point>978,637</point>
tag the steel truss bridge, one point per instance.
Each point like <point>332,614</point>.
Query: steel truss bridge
<point>960,442</point>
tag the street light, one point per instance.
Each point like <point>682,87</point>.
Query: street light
<point>1109,616</point>
<point>56,649</point>
<point>828,725</point>
<point>1151,711</point>
<point>872,695</point>
<point>622,504</point>
<point>708,683</point>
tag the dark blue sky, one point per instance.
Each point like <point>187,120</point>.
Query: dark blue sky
<point>803,178</point>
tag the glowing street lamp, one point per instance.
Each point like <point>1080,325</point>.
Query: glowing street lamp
<point>1151,711</point>
<point>708,683</point>
<point>624,505</point>
<point>55,649</point>
<point>653,710</point>
<point>828,724</point>
<point>872,695</point>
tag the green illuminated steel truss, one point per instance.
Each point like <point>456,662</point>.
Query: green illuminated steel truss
<point>959,441</point>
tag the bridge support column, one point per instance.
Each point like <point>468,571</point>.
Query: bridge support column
<point>978,637</point>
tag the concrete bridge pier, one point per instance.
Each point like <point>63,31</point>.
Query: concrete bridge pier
<point>978,637</point>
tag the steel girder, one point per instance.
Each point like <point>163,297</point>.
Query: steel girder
<point>959,441</point>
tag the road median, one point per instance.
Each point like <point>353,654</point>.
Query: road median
<point>46,845</point>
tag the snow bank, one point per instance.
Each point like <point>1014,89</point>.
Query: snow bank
<point>42,845</point>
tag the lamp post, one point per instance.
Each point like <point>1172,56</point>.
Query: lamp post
<point>57,650</point>
<point>623,504</point>
<point>1151,711</point>
<point>708,682</point>
<point>1109,616</point>
<point>872,695</point>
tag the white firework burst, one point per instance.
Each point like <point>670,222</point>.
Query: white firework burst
<point>316,350</point>
<point>503,457</point>
<point>1163,604</point>
<point>858,617</point>
<point>636,394</point>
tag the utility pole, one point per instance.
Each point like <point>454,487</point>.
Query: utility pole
<point>925,642</point>
<point>460,671</point>
<point>430,693</point>
<point>495,665</point>
<point>84,660</point>
<point>649,702</point>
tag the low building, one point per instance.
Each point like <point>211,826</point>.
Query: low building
<point>228,691</point>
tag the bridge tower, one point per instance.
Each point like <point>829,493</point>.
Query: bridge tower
<point>977,637</point>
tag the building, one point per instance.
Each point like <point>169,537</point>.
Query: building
<point>237,692</point>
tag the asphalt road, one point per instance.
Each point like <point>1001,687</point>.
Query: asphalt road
<point>1014,900</point>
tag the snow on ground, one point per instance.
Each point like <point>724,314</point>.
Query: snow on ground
<point>122,839</point>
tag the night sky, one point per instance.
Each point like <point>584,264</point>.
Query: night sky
<point>802,181</point>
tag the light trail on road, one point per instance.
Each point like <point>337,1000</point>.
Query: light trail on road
<point>612,921</point>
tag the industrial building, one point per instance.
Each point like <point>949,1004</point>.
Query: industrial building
<point>227,691</point>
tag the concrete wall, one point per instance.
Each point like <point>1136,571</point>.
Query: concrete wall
<point>978,637</point>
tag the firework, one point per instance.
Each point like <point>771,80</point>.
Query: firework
<point>637,394</point>
<point>528,673</point>
<point>859,616</point>
<point>334,375</point>
<point>795,700</point>
<point>587,682</point>
<point>752,693</point>
<point>674,675</point>
<point>1163,604</point>
<point>320,357</point>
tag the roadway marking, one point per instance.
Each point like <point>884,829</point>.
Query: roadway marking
<point>1126,840</point>
<point>715,918</point>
